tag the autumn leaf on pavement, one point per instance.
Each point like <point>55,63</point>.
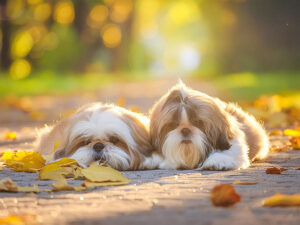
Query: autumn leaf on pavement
<point>8,185</point>
<point>11,220</point>
<point>62,185</point>
<point>224,195</point>
<point>275,133</point>
<point>275,170</point>
<point>277,148</point>
<point>278,200</point>
<point>295,143</point>
<point>291,132</point>
<point>244,182</point>
<point>23,161</point>
<point>103,174</point>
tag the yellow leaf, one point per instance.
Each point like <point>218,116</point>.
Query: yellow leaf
<point>102,174</point>
<point>244,183</point>
<point>23,161</point>
<point>8,185</point>
<point>62,185</point>
<point>58,169</point>
<point>35,189</point>
<point>53,172</point>
<point>282,200</point>
<point>275,133</point>
<point>10,136</point>
<point>100,184</point>
<point>56,146</point>
<point>291,132</point>
<point>64,162</point>
<point>11,220</point>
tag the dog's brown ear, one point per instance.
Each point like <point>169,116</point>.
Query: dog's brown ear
<point>60,153</point>
<point>222,142</point>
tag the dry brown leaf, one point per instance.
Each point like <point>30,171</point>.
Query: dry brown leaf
<point>8,185</point>
<point>244,183</point>
<point>62,185</point>
<point>279,199</point>
<point>278,148</point>
<point>10,136</point>
<point>275,170</point>
<point>103,174</point>
<point>224,195</point>
<point>295,143</point>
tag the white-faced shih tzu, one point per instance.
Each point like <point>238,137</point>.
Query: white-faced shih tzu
<point>112,135</point>
<point>190,129</point>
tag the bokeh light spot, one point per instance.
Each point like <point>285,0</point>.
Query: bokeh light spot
<point>111,35</point>
<point>121,10</point>
<point>42,12</point>
<point>21,45</point>
<point>97,16</point>
<point>64,12</point>
<point>19,69</point>
<point>14,8</point>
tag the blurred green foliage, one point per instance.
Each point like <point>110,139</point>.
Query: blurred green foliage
<point>54,45</point>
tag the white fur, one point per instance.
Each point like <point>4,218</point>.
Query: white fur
<point>236,157</point>
<point>171,149</point>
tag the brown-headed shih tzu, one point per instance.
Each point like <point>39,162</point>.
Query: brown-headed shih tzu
<point>190,129</point>
<point>108,134</point>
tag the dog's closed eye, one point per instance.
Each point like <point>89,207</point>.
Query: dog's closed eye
<point>114,139</point>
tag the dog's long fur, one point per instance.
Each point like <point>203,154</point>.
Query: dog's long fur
<point>124,134</point>
<point>190,129</point>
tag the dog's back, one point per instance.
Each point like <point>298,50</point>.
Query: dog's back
<point>256,136</point>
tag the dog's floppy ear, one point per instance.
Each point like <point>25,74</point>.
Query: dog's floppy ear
<point>60,153</point>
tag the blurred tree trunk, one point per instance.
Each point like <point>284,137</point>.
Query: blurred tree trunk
<point>6,31</point>
<point>120,53</point>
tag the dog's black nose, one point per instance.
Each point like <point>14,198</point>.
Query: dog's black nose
<point>98,146</point>
<point>185,131</point>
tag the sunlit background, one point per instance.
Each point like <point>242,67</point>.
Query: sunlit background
<point>250,46</point>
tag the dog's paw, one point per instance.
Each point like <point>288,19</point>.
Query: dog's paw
<point>219,161</point>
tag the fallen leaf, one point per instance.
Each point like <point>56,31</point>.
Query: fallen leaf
<point>53,172</point>
<point>275,170</point>
<point>275,133</point>
<point>100,184</point>
<point>244,183</point>
<point>298,169</point>
<point>10,136</point>
<point>224,195</point>
<point>35,189</point>
<point>278,148</point>
<point>58,169</point>
<point>8,185</point>
<point>11,220</point>
<point>62,185</point>
<point>23,161</point>
<point>55,146</point>
<point>102,174</point>
<point>291,132</point>
<point>282,200</point>
<point>295,143</point>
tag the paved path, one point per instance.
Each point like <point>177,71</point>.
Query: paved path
<point>153,197</point>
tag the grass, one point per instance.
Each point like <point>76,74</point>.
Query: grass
<point>239,86</point>
<point>248,86</point>
<point>51,83</point>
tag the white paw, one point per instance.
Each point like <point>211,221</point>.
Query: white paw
<point>219,161</point>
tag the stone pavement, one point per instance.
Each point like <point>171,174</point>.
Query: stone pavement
<point>153,197</point>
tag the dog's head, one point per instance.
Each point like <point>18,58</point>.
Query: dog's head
<point>186,125</point>
<point>109,134</point>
